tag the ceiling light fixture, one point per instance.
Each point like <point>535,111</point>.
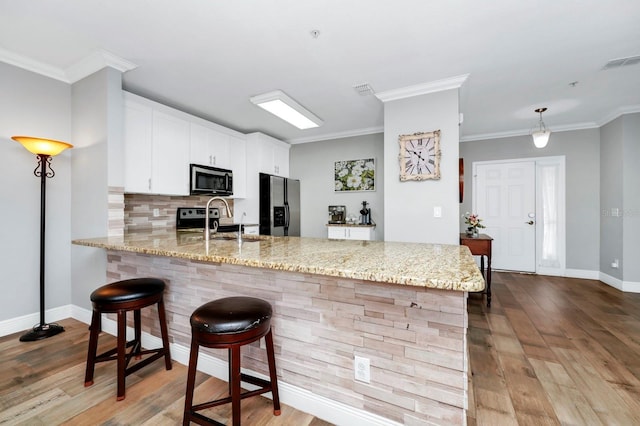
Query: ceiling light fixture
<point>284,107</point>
<point>541,134</point>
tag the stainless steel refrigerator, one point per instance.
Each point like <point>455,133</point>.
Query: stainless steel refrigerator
<point>279,206</point>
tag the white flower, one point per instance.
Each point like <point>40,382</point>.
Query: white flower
<point>357,170</point>
<point>369,165</point>
<point>343,172</point>
<point>354,181</point>
<point>338,185</point>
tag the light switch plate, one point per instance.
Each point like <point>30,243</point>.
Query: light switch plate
<point>437,211</point>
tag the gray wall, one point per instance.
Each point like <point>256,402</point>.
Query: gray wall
<point>408,206</point>
<point>97,129</point>
<point>313,164</point>
<point>611,196</point>
<point>33,105</point>
<point>620,179</point>
<point>631,208</point>
<point>581,149</point>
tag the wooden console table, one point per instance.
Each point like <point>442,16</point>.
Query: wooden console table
<point>480,246</point>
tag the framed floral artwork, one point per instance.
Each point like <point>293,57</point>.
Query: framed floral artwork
<point>355,175</point>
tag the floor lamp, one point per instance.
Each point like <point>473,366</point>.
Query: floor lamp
<point>44,149</point>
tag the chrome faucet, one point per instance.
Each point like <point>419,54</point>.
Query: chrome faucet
<point>240,228</point>
<point>206,215</point>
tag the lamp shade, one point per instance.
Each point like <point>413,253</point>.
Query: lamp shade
<point>42,146</point>
<point>540,138</point>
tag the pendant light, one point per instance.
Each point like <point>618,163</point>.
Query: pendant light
<point>541,134</point>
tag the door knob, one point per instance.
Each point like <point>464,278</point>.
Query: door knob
<point>529,223</point>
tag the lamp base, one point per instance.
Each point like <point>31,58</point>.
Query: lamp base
<point>41,331</point>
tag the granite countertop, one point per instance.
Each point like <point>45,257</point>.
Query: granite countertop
<point>448,267</point>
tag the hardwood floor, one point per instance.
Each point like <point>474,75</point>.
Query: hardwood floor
<point>42,383</point>
<point>550,350</point>
<point>554,350</point>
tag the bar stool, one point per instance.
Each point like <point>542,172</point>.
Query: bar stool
<point>121,297</point>
<point>230,323</point>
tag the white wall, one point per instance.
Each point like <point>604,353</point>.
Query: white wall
<point>408,206</point>
<point>33,105</point>
<point>97,131</point>
<point>313,164</point>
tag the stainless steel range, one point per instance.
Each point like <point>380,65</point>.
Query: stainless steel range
<point>192,218</point>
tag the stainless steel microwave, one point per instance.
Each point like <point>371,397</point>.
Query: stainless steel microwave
<point>205,180</point>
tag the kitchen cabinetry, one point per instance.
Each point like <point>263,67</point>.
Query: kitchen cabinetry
<point>156,148</point>
<point>264,154</point>
<point>209,147</point>
<point>160,142</point>
<point>170,155</point>
<point>273,154</point>
<point>237,148</point>
<point>251,230</point>
<point>366,233</point>
<point>138,136</point>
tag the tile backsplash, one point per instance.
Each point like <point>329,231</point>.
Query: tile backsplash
<point>139,210</point>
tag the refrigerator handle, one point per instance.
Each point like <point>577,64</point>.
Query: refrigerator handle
<point>287,217</point>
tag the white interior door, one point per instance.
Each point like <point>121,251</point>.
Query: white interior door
<point>505,198</point>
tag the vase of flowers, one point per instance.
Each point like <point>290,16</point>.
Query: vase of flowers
<point>473,223</point>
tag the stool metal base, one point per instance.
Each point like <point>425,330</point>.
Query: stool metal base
<point>41,331</point>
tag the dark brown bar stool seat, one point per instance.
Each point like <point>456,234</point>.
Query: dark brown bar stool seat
<point>230,323</point>
<point>121,297</point>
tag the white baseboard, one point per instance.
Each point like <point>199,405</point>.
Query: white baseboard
<point>626,286</point>
<point>26,322</point>
<point>298,398</point>
<point>584,274</point>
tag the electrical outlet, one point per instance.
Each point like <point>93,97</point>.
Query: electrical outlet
<point>362,369</point>
<point>156,212</point>
<point>615,264</point>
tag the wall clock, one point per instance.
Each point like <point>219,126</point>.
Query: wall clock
<point>419,156</point>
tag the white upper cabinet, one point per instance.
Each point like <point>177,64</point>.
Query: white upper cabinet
<point>138,136</point>
<point>209,147</point>
<point>237,148</point>
<point>273,155</point>
<point>156,148</point>
<point>160,142</point>
<point>170,155</point>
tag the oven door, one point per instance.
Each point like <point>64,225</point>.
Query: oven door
<point>210,180</point>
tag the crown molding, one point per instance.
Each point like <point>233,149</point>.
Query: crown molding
<point>32,65</point>
<point>337,135</point>
<point>95,62</point>
<point>422,89</point>
<point>527,132</point>
<point>629,109</point>
<point>81,69</point>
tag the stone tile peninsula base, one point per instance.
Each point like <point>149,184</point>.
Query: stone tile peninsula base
<point>415,337</point>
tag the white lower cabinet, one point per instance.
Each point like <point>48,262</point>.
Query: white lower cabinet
<point>366,233</point>
<point>251,230</point>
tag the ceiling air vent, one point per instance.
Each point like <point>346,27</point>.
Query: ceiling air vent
<point>363,89</point>
<point>622,62</point>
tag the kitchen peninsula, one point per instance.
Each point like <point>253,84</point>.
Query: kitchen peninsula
<point>401,305</point>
